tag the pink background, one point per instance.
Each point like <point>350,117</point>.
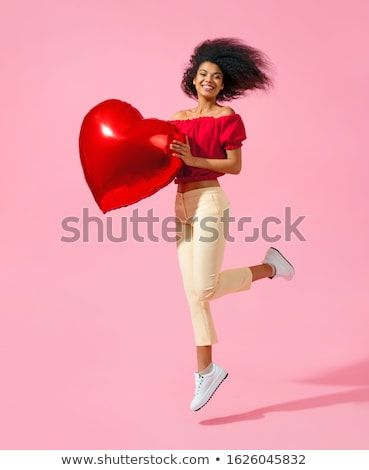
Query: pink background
<point>96,345</point>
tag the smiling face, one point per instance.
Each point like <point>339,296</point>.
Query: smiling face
<point>209,80</point>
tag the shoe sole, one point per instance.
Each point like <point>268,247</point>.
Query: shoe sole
<point>207,401</point>
<point>285,259</point>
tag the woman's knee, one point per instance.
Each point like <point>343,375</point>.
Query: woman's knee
<point>205,294</point>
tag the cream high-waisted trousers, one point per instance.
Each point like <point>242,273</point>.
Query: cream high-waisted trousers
<point>201,242</point>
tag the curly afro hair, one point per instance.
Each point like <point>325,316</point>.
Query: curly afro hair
<point>244,68</point>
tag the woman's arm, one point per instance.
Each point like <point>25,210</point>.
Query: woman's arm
<point>232,164</point>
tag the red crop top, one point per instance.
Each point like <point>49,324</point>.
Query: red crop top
<point>209,137</point>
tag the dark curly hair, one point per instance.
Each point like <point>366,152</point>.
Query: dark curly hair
<point>244,67</point>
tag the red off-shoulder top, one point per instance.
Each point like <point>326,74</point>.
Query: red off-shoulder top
<point>209,137</point>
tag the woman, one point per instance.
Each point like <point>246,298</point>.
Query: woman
<point>219,70</point>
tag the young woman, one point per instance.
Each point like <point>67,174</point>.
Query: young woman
<point>219,70</point>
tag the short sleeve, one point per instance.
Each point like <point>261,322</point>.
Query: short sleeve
<point>232,132</point>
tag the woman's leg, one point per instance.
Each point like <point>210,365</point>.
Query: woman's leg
<point>200,258</point>
<point>204,357</point>
<point>204,353</point>
<point>262,271</point>
<point>202,321</point>
<point>201,317</point>
<point>208,251</point>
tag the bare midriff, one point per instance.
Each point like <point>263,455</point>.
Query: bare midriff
<point>184,187</point>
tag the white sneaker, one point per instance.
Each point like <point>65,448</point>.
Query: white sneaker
<point>283,268</point>
<point>206,385</point>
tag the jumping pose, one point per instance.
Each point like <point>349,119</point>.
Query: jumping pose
<point>219,70</point>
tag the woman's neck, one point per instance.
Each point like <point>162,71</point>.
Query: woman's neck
<point>206,109</point>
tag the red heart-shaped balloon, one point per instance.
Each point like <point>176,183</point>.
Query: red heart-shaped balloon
<point>125,157</point>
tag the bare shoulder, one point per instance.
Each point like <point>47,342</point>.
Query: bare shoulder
<point>226,111</point>
<point>180,115</point>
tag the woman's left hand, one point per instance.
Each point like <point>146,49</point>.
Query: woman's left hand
<point>183,151</point>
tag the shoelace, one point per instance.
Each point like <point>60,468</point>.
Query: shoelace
<point>199,380</point>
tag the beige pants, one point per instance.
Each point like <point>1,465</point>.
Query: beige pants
<point>200,246</point>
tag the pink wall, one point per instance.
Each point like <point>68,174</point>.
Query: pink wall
<point>95,337</point>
